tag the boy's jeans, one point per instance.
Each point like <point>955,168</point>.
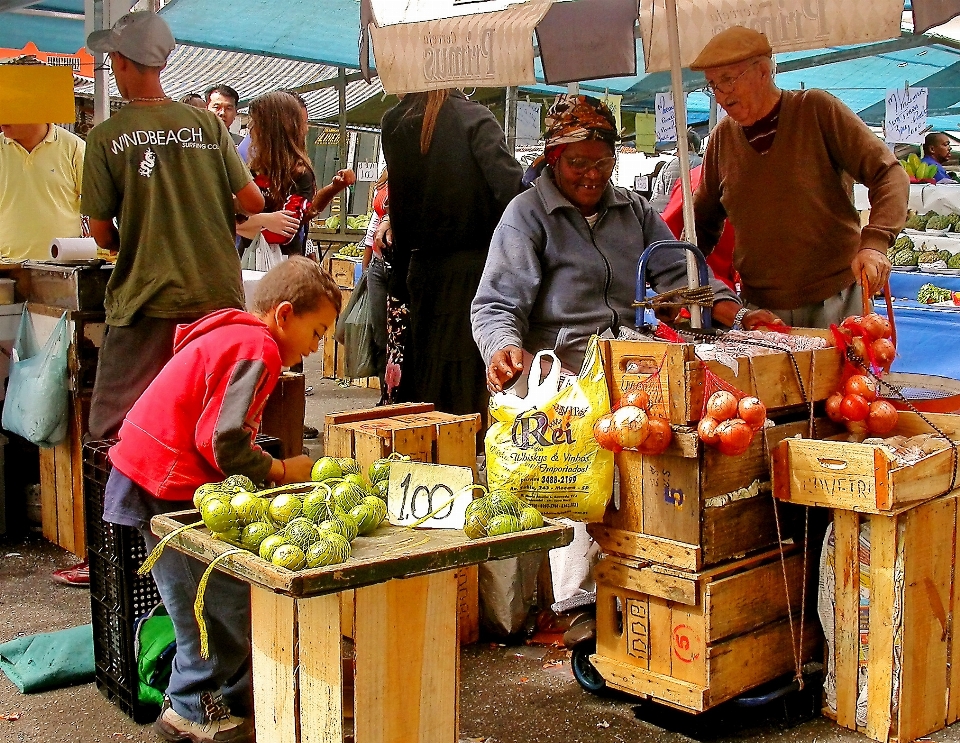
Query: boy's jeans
<point>227,614</point>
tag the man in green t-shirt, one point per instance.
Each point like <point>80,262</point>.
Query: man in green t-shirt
<point>168,174</point>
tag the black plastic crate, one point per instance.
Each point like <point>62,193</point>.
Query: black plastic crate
<point>118,596</point>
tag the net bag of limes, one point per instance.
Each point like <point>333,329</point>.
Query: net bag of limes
<point>546,454</point>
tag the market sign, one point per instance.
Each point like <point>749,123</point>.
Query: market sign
<point>666,121</point>
<point>485,43</point>
<point>906,115</point>
<point>328,136</point>
<point>790,25</point>
<point>433,496</point>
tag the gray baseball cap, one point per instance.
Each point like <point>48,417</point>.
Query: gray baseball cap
<point>142,36</point>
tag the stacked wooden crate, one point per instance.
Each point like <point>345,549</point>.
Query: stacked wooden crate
<point>425,435</point>
<point>696,600</point>
<point>895,652</point>
<point>346,272</point>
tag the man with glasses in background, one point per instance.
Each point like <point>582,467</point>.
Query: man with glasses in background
<point>781,167</point>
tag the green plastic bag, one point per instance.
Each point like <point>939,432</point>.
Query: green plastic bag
<point>355,332</point>
<point>546,454</point>
<point>37,402</point>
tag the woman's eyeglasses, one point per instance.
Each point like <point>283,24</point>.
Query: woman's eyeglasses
<point>582,165</point>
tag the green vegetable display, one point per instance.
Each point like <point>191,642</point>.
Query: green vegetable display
<point>930,294</point>
<point>499,513</point>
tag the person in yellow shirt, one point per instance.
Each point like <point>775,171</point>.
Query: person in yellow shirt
<point>41,167</point>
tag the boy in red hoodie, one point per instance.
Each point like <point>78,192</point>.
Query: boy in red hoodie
<point>196,424</point>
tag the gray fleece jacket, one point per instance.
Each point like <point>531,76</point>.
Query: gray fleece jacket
<point>550,282</point>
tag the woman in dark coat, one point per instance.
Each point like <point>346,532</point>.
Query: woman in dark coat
<point>451,177</point>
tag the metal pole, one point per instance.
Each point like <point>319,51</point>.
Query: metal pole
<point>510,120</point>
<point>101,82</point>
<point>342,120</point>
<point>573,88</point>
<point>680,107</point>
<point>713,113</point>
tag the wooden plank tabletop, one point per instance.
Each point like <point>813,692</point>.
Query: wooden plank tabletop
<point>390,552</point>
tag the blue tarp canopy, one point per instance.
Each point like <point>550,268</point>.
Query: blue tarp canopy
<point>55,26</point>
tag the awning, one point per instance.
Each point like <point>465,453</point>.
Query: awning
<point>320,31</point>
<point>55,27</point>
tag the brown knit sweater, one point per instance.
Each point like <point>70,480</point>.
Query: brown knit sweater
<point>797,231</point>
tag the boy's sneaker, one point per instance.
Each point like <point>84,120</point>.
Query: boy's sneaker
<point>219,727</point>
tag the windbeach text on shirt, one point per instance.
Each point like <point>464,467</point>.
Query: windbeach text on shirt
<point>185,137</point>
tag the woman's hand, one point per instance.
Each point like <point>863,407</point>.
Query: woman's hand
<point>343,179</point>
<point>282,223</point>
<point>506,364</point>
<point>383,238</point>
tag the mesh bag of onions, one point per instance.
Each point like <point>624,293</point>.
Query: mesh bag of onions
<point>729,419</point>
<point>639,422</point>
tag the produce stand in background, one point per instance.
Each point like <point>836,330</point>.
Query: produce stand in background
<point>401,612</point>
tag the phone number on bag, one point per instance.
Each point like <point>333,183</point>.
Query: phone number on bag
<point>558,479</point>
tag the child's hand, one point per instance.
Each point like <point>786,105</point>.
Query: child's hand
<point>298,469</point>
<point>344,178</point>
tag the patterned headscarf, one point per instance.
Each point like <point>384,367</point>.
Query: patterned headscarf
<point>577,118</point>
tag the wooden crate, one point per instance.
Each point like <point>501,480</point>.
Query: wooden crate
<point>629,364</point>
<point>284,412</point>
<point>694,640</point>
<point>345,272</point>
<point>929,690</point>
<point>427,436</point>
<point>672,508</point>
<point>861,477</point>
<point>61,484</point>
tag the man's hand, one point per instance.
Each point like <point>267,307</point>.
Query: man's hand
<point>383,237</point>
<point>343,178</point>
<point>725,312</point>
<point>506,364</point>
<point>282,223</point>
<point>875,265</point>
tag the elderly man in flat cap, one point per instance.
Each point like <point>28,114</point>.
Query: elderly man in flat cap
<point>781,167</point>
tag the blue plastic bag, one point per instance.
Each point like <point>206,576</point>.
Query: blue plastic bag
<point>37,402</point>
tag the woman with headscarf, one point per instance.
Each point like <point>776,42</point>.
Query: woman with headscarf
<point>563,260</point>
<point>451,177</point>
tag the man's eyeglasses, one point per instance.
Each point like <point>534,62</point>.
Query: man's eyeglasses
<point>582,165</point>
<point>727,86</point>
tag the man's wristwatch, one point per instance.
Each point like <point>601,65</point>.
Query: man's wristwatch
<point>738,318</point>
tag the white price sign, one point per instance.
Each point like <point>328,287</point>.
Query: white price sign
<point>666,121</point>
<point>906,115</point>
<point>366,171</point>
<point>417,490</point>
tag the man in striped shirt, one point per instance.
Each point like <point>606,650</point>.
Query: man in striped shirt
<point>781,167</point>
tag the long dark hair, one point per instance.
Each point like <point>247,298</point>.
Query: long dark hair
<point>278,145</point>
<point>426,105</point>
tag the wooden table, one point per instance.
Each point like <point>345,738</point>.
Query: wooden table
<point>407,673</point>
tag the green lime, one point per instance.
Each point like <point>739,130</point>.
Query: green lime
<point>253,535</point>
<point>249,507</point>
<point>316,505</point>
<point>348,496</point>
<point>269,544</point>
<point>320,554</point>
<point>334,526</point>
<point>325,468</point>
<point>289,556</point>
<point>231,536</point>
<point>301,532</point>
<point>530,518</point>
<point>218,515</point>
<point>205,491</point>
<point>474,527</point>
<point>504,503</point>
<point>504,524</point>
<point>237,483</point>
<point>358,481</point>
<point>381,489</point>
<point>379,471</point>
<point>285,508</point>
<point>367,517</point>
<point>341,547</point>
<point>348,524</point>
<point>478,507</point>
<point>348,466</point>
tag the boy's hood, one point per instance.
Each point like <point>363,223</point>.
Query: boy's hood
<point>188,333</point>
